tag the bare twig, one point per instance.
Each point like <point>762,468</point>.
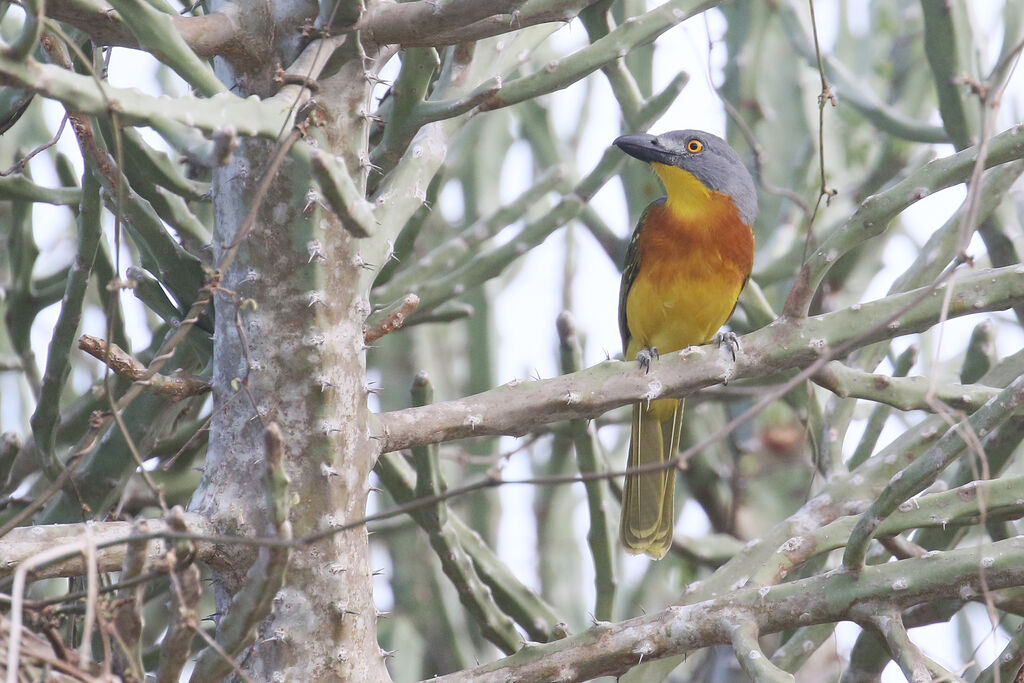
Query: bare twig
<point>23,162</point>
<point>124,365</point>
<point>826,95</point>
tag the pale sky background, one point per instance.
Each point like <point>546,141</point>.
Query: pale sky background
<point>526,310</point>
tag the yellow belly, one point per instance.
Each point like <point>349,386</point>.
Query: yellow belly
<point>670,311</point>
<point>690,273</point>
<point>669,314</point>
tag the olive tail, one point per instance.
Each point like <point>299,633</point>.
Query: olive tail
<point>648,513</point>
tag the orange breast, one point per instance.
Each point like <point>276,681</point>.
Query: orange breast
<point>691,273</point>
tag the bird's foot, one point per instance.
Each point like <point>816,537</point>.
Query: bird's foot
<point>729,340</point>
<point>645,356</point>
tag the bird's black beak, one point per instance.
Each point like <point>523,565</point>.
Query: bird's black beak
<point>644,147</point>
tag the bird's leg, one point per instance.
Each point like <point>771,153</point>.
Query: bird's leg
<point>728,339</point>
<point>644,356</point>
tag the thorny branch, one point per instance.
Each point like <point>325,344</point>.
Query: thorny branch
<point>518,407</point>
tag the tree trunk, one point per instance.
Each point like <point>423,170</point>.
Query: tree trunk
<point>289,349</point>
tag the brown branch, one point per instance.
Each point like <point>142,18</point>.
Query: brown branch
<point>422,23</point>
<point>65,666</point>
<point>175,388</point>
<point>216,34</point>
<point>901,548</point>
<point>426,23</point>
<point>385,20</point>
<point>518,408</point>
<point>389,319</point>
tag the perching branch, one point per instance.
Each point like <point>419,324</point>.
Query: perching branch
<point>519,407</point>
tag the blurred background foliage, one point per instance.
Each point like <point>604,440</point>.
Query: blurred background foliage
<point>904,75</point>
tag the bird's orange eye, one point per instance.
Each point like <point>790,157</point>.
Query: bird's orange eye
<point>694,146</point>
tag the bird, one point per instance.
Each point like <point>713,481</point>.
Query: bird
<point>690,256</point>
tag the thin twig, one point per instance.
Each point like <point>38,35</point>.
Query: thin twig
<point>991,100</point>
<point>92,593</point>
<point>18,599</point>
<point>826,95</point>
<point>23,162</point>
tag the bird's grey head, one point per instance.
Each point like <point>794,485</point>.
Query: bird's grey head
<point>708,157</point>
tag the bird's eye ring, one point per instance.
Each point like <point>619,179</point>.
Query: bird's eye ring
<point>694,146</point>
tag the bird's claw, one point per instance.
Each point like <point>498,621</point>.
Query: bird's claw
<point>645,356</point>
<point>729,340</point>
